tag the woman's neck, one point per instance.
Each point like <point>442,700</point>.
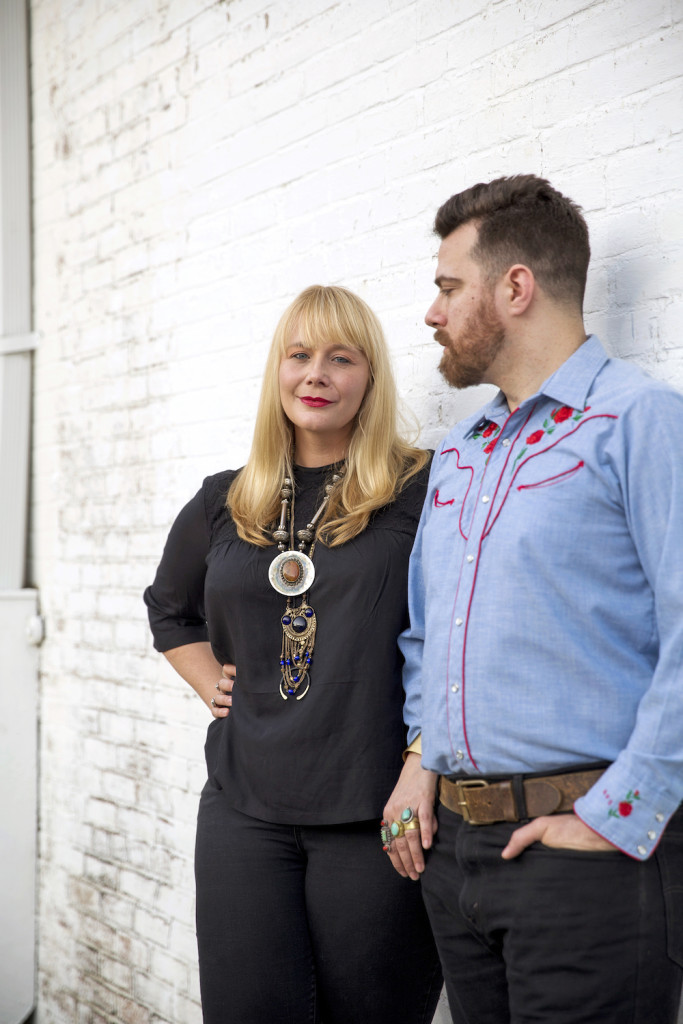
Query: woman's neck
<point>317,450</point>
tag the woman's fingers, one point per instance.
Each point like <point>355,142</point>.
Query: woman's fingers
<point>410,839</point>
<point>221,702</point>
<point>227,679</point>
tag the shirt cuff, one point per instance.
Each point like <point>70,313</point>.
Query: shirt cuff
<point>628,809</point>
<point>415,747</point>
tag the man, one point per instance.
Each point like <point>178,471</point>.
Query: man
<point>544,662</point>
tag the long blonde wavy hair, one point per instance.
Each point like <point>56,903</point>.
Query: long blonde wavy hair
<point>378,462</point>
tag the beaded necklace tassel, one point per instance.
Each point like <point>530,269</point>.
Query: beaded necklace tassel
<point>292,573</point>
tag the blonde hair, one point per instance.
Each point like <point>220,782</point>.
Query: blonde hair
<point>378,462</point>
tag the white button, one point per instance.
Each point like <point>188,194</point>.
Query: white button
<point>459,756</point>
<point>470,558</point>
<point>485,498</point>
<point>659,817</point>
<point>458,622</point>
<point>651,835</point>
<point>505,442</point>
<point>455,687</point>
<point>642,851</point>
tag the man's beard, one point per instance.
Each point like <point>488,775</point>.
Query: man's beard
<point>478,343</point>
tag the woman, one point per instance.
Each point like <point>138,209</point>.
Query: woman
<point>300,915</point>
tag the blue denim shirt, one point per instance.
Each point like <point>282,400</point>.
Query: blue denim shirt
<point>546,594</point>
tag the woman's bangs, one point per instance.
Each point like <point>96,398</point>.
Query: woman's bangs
<point>322,325</point>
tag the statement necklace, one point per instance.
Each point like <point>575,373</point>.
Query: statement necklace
<point>291,573</point>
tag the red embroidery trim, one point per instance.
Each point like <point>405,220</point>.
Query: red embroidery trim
<point>552,479</point>
<point>542,451</point>
<point>441,504</point>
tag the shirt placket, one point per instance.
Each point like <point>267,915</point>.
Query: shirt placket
<point>490,488</point>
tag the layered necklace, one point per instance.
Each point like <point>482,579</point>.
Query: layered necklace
<point>291,573</point>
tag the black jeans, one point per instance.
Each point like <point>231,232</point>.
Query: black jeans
<point>555,936</point>
<point>307,925</point>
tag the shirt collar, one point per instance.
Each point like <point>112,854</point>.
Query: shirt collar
<point>570,384</point>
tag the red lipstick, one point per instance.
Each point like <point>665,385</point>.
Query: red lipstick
<point>315,403</point>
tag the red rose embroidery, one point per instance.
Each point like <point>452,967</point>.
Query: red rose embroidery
<point>489,447</point>
<point>625,807</point>
<point>560,415</point>
<point>535,437</point>
<point>489,430</point>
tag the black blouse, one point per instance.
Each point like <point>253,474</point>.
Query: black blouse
<point>334,755</point>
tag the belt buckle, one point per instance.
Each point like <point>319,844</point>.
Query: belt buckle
<point>462,801</point>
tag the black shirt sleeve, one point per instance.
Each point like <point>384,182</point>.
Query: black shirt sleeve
<point>175,601</point>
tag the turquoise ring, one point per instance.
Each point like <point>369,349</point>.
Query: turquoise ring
<point>407,815</point>
<point>397,829</point>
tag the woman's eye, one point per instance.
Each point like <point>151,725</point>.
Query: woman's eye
<point>299,355</point>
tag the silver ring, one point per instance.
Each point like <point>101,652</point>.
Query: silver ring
<point>213,702</point>
<point>218,687</point>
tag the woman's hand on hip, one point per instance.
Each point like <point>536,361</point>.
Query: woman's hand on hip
<point>415,791</point>
<point>222,702</point>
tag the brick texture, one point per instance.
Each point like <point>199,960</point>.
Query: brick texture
<point>196,164</point>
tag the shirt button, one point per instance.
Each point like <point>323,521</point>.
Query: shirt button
<point>505,442</point>
<point>642,851</point>
<point>485,498</point>
<point>470,558</point>
<point>652,835</point>
<point>459,756</point>
<point>455,687</point>
<point>659,817</point>
<point>458,622</point>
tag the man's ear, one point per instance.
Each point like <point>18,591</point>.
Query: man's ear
<point>518,289</point>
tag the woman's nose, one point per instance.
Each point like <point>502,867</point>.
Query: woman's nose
<point>316,370</point>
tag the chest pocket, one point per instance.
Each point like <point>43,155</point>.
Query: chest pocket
<point>552,481</point>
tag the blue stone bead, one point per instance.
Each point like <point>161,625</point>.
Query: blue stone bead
<point>286,619</point>
<point>297,658</point>
<point>288,662</point>
<point>290,690</point>
<point>296,679</point>
<point>299,624</point>
<point>308,612</point>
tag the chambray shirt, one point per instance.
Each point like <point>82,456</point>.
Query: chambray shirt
<point>546,594</point>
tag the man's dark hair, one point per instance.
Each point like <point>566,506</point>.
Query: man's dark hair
<point>523,219</point>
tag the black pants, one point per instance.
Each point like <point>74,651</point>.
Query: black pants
<point>304,924</point>
<point>555,936</point>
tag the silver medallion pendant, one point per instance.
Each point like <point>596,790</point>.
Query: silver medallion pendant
<point>291,573</point>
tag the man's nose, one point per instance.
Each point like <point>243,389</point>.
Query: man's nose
<point>434,316</point>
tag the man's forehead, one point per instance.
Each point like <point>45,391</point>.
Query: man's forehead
<point>454,256</point>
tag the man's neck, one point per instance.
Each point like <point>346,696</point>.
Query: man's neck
<point>531,359</point>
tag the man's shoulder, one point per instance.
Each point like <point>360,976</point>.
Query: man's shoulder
<point>631,389</point>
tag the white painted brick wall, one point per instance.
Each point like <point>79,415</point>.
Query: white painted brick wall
<point>197,163</point>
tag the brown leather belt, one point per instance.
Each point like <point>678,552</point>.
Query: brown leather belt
<point>483,803</point>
